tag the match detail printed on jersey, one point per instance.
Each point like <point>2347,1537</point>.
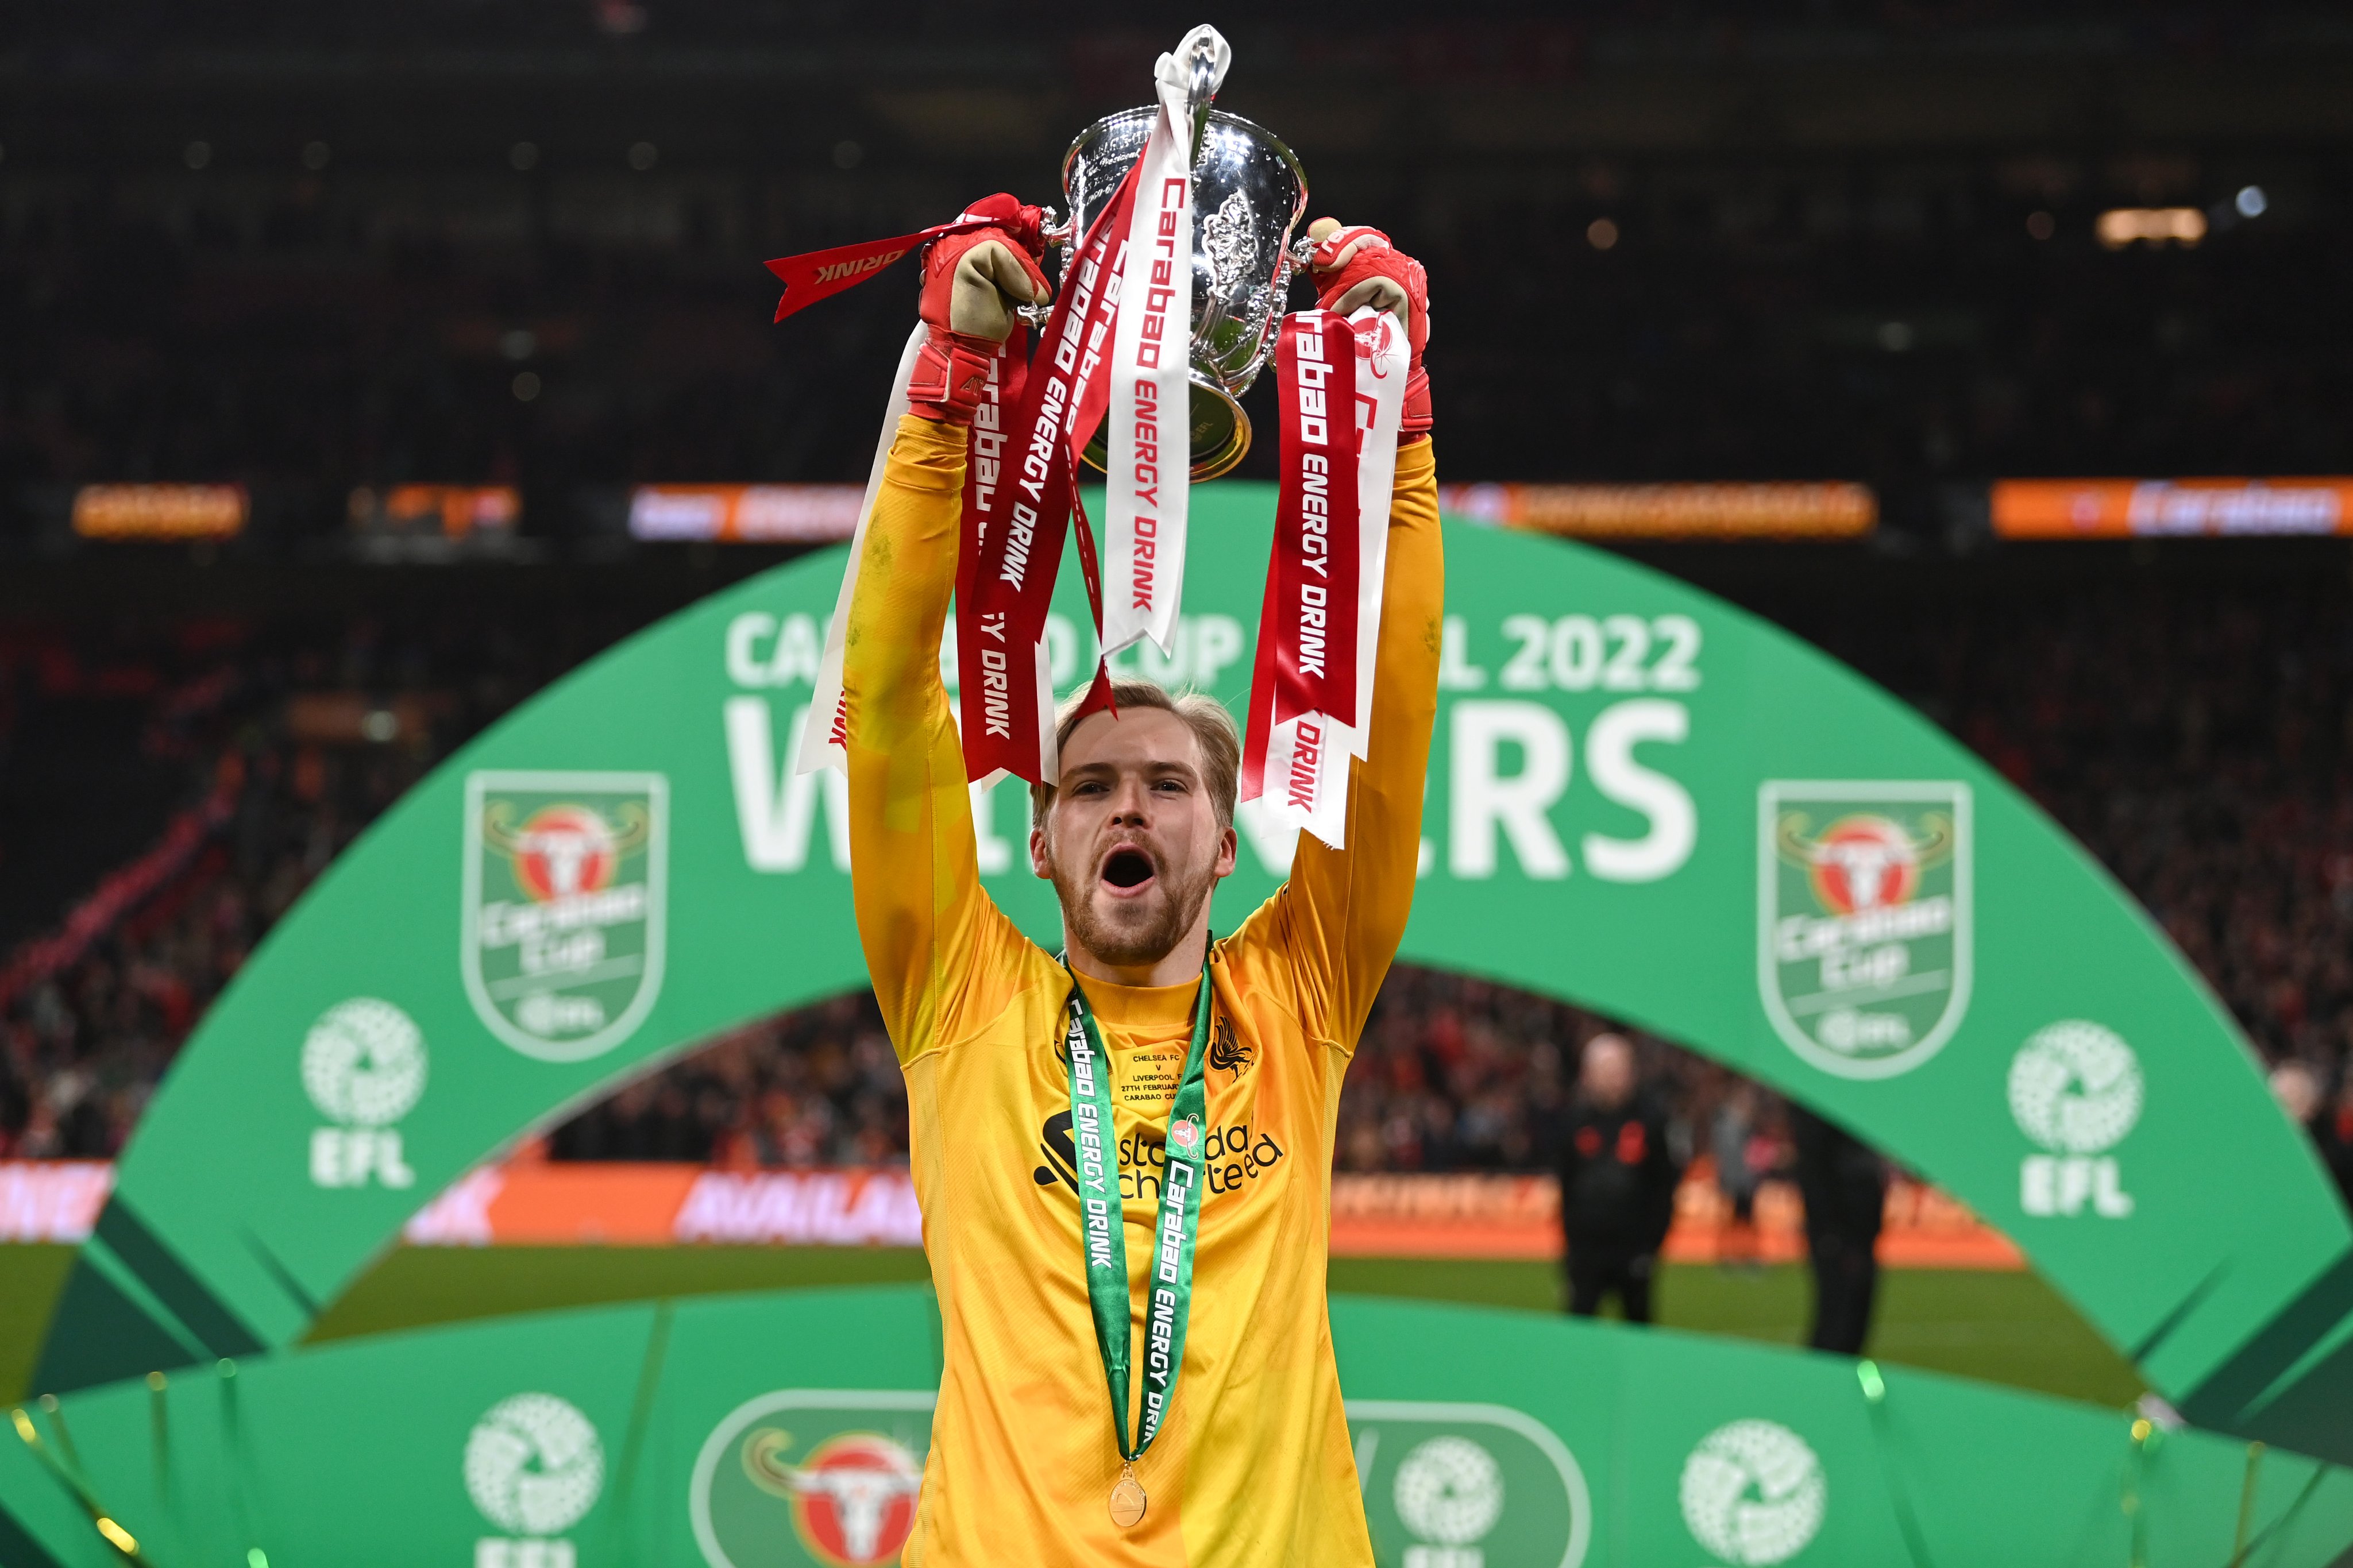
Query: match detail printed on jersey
<point>1862,922</point>
<point>565,882</point>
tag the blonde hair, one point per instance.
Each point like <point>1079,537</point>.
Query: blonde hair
<point>1213,731</point>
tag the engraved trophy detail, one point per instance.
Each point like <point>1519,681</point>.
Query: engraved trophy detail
<point>1249,192</point>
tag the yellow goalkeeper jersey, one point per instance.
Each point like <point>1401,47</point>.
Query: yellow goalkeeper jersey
<point>1252,1466</point>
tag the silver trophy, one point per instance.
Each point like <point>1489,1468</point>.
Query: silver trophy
<point>1247,193</point>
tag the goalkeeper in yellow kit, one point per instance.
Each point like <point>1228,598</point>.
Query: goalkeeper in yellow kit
<point>1251,1466</point>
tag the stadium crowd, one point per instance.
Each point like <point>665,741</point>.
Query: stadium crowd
<point>2198,737</point>
<point>455,305</point>
<point>265,731</point>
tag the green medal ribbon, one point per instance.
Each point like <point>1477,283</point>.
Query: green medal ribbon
<point>1101,1234</point>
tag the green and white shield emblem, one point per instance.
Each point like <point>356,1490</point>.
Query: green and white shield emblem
<point>565,888</point>
<point>1863,920</point>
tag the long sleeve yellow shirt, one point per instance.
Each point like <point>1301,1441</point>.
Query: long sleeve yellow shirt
<point>1252,1466</point>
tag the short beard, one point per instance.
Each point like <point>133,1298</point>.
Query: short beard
<point>1181,905</point>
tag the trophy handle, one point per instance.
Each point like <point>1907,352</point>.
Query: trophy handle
<point>1200,92</point>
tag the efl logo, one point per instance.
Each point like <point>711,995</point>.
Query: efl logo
<point>535,1468</point>
<point>1753,1492</point>
<point>2076,1088</point>
<point>1468,1485</point>
<point>364,1066</point>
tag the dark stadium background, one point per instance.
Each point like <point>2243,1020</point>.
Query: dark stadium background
<point>316,249</point>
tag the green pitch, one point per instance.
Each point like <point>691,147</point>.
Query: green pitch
<point>2003,1328</point>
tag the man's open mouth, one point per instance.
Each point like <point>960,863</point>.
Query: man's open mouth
<point>1127,869</point>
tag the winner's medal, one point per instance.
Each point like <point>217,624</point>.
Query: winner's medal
<point>1127,1500</point>
<point>1103,1241</point>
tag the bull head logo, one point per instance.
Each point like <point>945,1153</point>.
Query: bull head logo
<point>565,850</point>
<point>1864,861</point>
<point>854,1500</point>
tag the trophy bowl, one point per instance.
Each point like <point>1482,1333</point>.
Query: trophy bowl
<point>1247,193</point>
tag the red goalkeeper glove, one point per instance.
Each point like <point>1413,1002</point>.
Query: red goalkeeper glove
<point>972,281</point>
<point>1357,265</point>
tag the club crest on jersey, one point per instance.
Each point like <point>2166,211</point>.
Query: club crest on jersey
<point>1228,1053</point>
<point>564,912</point>
<point>1863,938</point>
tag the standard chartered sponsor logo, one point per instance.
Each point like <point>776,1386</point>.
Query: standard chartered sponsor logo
<point>363,1066</point>
<point>1450,1491</point>
<point>1754,1492</point>
<point>2075,1088</point>
<point>535,1468</point>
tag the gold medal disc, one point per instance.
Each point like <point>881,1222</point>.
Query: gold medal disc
<point>1127,1501</point>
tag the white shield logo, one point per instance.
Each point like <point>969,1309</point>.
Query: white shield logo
<point>1863,920</point>
<point>566,898</point>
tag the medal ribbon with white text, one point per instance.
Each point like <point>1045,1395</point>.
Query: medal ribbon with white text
<point>1103,1232</point>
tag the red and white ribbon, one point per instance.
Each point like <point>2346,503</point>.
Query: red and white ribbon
<point>1004,679</point>
<point>816,275</point>
<point>1147,469</point>
<point>1340,386</point>
<point>827,730</point>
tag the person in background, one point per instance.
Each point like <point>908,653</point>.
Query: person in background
<point>1618,1178</point>
<point>1844,1184</point>
<point>2333,1131</point>
<point>2330,1127</point>
<point>1735,1140</point>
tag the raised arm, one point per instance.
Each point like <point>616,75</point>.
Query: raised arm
<point>1348,906</point>
<point>914,872</point>
<point>912,869</point>
<point>1344,910</point>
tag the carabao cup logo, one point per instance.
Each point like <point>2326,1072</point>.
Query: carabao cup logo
<point>1468,1485</point>
<point>1753,1492</point>
<point>1863,934</point>
<point>565,882</point>
<point>533,1465</point>
<point>810,1476</point>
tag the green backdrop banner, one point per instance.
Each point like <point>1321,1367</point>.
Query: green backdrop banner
<point>774,1431</point>
<point>1641,800</point>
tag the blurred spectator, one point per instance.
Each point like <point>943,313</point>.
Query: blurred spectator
<point>2298,1089</point>
<point>1844,1185</point>
<point>815,1086</point>
<point>1741,1152</point>
<point>1618,1183</point>
<point>90,1019</point>
<point>2332,1131</point>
